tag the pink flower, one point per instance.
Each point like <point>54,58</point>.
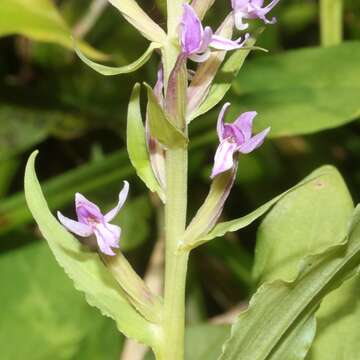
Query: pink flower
<point>196,40</point>
<point>251,9</point>
<point>92,222</point>
<point>235,137</point>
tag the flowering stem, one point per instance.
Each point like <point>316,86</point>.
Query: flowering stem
<point>331,22</point>
<point>176,260</point>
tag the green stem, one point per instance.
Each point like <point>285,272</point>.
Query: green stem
<point>176,260</point>
<point>331,22</point>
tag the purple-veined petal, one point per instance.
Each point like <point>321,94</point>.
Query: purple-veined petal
<point>245,123</point>
<point>86,209</point>
<point>224,157</point>
<point>233,132</point>
<point>122,198</point>
<point>191,31</point>
<point>254,142</point>
<point>75,227</point>
<point>220,121</point>
<point>220,43</point>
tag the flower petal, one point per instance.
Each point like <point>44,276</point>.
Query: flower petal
<point>245,123</point>
<point>107,236</point>
<point>224,157</point>
<point>220,43</point>
<point>122,198</point>
<point>206,39</point>
<point>86,209</point>
<point>254,142</point>
<point>75,227</point>
<point>220,121</point>
<point>191,31</point>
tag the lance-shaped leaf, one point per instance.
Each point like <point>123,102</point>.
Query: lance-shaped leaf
<point>161,128</point>
<point>136,16</point>
<point>202,6</point>
<point>85,268</point>
<point>137,146</point>
<point>304,222</point>
<point>209,212</point>
<point>280,308</point>
<point>234,225</point>
<point>211,96</point>
<point>113,70</point>
<point>206,71</point>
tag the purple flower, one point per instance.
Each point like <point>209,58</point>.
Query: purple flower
<point>197,40</point>
<point>235,137</point>
<point>251,9</point>
<point>92,222</point>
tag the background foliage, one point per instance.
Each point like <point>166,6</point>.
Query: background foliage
<point>77,118</point>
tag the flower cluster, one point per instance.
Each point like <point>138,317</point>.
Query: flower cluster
<point>196,43</point>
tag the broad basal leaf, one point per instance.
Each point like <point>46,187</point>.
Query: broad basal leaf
<point>278,309</point>
<point>85,268</point>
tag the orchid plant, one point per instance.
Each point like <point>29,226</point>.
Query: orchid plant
<point>158,150</point>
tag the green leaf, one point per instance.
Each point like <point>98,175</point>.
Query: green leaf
<point>304,222</point>
<point>137,146</point>
<point>134,14</point>
<point>301,91</point>
<point>223,80</point>
<point>161,128</point>
<point>42,308</point>
<point>85,268</point>
<point>40,21</point>
<point>280,308</point>
<point>111,70</point>
<point>204,342</point>
<point>338,324</point>
<point>234,225</point>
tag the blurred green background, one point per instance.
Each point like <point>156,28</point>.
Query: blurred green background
<point>51,101</point>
